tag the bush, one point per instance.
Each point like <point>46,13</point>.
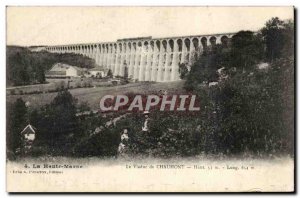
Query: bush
<point>37,151</point>
<point>109,74</point>
<point>78,84</point>
<point>104,144</point>
<point>12,92</point>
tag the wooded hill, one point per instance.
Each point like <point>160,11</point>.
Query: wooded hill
<point>25,67</point>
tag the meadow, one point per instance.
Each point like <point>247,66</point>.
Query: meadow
<point>92,95</point>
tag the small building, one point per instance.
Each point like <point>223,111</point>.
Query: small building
<point>74,71</point>
<point>28,133</point>
<point>61,70</point>
<point>97,72</point>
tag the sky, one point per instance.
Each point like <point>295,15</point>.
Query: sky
<point>30,26</point>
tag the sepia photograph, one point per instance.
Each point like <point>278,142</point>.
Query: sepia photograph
<point>150,99</point>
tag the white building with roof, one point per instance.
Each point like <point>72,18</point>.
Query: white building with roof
<point>62,70</point>
<point>28,133</point>
<point>97,72</point>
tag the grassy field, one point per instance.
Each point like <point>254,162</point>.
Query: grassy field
<point>54,84</point>
<point>93,95</point>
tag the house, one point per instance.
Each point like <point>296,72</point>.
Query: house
<point>74,71</point>
<point>28,133</point>
<point>97,72</point>
<point>61,70</point>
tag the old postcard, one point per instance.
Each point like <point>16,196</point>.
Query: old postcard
<point>150,99</point>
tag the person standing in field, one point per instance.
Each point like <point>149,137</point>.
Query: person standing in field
<point>145,126</point>
<point>124,144</point>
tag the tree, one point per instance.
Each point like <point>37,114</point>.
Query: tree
<point>204,70</point>
<point>256,111</point>
<point>59,122</point>
<point>40,75</point>
<point>109,73</point>
<point>289,43</point>
<point>247,49</point>
<point>273,35</point>
<point>250,110</point>
<point>16,122</point>
<point>183,71</point>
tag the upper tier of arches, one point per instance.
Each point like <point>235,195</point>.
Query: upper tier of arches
<point>177,44</point>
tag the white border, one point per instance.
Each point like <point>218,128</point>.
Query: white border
<point>4,3</point>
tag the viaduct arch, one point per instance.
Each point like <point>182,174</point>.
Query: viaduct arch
<point>146,58</point>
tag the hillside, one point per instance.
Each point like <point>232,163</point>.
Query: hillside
<point>25,67</point>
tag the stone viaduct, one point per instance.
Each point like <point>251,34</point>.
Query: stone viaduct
<point>146,58</point>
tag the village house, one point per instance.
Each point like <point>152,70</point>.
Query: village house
<point>97,72</point>
<point>28,133</point>
<point>61,70</point>
<point>28,136</point>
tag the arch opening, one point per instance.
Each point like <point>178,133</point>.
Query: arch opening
<point>120,47</point>
<point>213,40</point>
<point>171,44</point>
<point>146,45</point>
<point>187,43</point>
<point>164,44</point>
<point>204,42</point>
<point>158,45</point>
<point>179,43</point>
<point>195,43</point>
<point>224,40</point>
<point>134,46</point>
<point>152,45</point>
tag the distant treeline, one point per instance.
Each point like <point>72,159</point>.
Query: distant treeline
<point>25,67</point>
